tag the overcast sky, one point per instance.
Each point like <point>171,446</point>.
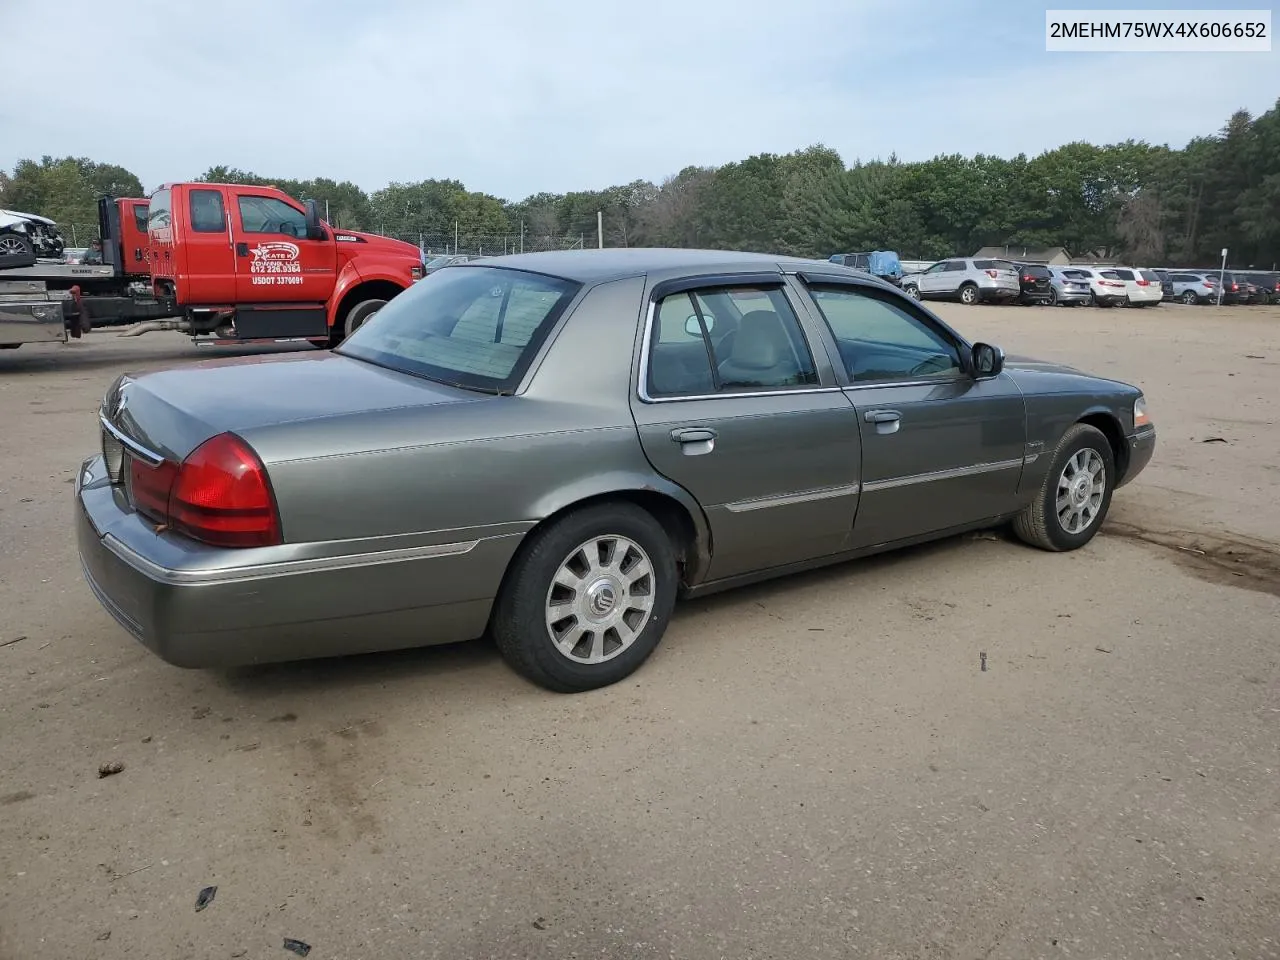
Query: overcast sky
<point>513,98</point>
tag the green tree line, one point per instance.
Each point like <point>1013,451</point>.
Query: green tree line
<point>1149,203</point>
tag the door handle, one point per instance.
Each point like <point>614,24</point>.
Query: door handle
<point>882,416</point>
<point>694,442</point>
<point>242,249</point>
<point>693,436</point>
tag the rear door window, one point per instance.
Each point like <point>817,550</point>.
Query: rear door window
<point>726,340</point>
<point>207,214</point>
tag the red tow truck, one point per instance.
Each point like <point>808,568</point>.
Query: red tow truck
<point>224,263</point>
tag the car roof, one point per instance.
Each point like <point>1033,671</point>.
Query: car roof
<point>615,263</point>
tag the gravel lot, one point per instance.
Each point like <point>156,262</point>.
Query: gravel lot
<point>811,768</point>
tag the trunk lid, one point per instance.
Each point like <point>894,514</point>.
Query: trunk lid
<point>171,412</point>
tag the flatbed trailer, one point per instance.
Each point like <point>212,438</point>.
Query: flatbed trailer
<point>113,293</point>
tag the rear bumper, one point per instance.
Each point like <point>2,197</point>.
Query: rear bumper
<point>998,293</point>
<point>1142,445</point>
<point>1074,296</point>
<point>191,613</point>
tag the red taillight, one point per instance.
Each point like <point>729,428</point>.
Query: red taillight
<point>219,495</point>
<point>222,496</point>
<point>1235,286</point>
<point>1144,283</point>
<point>993,274</point>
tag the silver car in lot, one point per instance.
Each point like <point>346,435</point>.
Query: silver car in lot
<point>969,281</point>
<point>1192,288</point>
<point>552,447</point>
<point>1070,285</point>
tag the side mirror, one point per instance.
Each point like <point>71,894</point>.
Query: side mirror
<point>694,329</point>
<point>987,361</point>
<point>315,231</point>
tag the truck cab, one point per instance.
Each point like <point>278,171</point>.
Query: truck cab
<point>252,263</point>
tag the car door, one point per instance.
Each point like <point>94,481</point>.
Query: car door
<point>211,259</point>
<point>275,261</point>
<point>940,447</point>
<point>736,405</point>
<point>932,281</point>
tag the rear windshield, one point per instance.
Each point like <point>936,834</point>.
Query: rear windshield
<point>1150,275</point>
<point>1121,275</point>
<point>1076,274</point>
<point>475,327</point>
<point>1034,271</point>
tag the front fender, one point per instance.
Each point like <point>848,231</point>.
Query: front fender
<point>349,278</point>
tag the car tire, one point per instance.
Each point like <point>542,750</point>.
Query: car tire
<point>912,291</point>
<point>1190,298</point>
<point>523,623</point>
<point>1083,450</point>
<point>969,294</point>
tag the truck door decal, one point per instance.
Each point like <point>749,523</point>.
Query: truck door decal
<point>275,263</point>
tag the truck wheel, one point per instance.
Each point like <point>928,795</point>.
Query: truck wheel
<point>361,312</point>
<point>587,598</point>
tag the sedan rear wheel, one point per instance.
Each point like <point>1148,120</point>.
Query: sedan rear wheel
<point>1076,493</point>
<point>587,599</point>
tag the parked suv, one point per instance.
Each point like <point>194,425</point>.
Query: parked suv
<point>1267,284</point>
<point>1070,285</point>
<point>1105,290</point>
<point>1142,287</point>
<point>969,281</point>
<point>1191,288</point>
<point>1036,283</point>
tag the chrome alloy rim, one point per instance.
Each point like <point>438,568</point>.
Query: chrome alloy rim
<point>1080,488</point>
<point>600,599</point>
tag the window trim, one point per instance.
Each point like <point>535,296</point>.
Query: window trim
<point>962,345</point>
<point>666,288</point>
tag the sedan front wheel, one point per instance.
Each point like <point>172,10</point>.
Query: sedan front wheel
<point>1076,493</point>
<point>587,599</point>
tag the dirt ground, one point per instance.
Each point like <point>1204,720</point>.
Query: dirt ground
<point>812,768</point>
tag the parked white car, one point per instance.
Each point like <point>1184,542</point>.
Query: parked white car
<point>1103,291</point>
<point>1142,287</point>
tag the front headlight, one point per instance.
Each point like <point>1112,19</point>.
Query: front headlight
<point>1140,416</point>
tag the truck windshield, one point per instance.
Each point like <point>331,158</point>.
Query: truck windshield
<point>473,327</point>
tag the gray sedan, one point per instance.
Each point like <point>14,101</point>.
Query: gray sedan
<point>551,448</point>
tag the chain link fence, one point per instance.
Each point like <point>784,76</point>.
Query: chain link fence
<point>491,245</point>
